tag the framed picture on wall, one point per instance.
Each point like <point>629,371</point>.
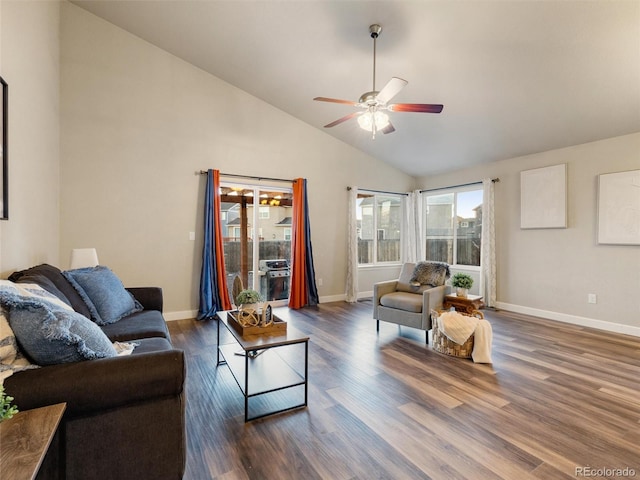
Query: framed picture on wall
<point>4,181</point>
<point>619,208</point>
<point>543,197</point>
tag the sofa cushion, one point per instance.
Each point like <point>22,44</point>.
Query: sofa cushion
<point>104,294</point>
<point>409,302</point>
<point>45,283</point>
<point>61,283</point>
<point>151,345</point>
<point>145,324</point>
<point>50,334</point>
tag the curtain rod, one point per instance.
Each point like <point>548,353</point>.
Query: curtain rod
<point>378,191</point>
<point>250,177</point>
<point>494,180</point>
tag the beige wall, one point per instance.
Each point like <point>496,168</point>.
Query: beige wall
<point>550,272</point>
<point>29,44</point>
<point>137,123</point>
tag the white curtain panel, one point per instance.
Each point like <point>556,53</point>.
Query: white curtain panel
<point>413,249</point>
<point>488,253</point>
<point>409,237</point>
<point>418,212</point>
<point>352,247</point>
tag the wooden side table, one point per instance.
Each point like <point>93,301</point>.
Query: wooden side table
<point>463,304</point>
<point>25,439</point>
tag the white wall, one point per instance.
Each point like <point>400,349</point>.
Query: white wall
<point>29,45</point>
<point>137,123</point>
<point>550,272</point>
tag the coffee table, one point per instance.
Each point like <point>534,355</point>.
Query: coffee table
<point>264,364</point>
<point>463,304</point>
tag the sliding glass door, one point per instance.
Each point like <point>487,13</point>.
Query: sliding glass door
<point>256,226</point>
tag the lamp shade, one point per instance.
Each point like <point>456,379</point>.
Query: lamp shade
<point>84,257</point>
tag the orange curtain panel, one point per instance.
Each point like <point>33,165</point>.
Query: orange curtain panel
<point>303,280</point>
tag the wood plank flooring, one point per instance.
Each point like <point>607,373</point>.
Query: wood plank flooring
<point>557,398</point>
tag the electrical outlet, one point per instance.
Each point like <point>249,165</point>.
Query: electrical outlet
<point>192,235</point>
<point>591,298</point>
<point>319,282</point>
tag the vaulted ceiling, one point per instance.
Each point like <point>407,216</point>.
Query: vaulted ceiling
<point>515,77</point>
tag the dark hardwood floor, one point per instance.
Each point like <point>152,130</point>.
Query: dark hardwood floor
<point>557,398</point>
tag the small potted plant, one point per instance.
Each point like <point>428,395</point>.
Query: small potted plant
<point>462,283</point>
<point>249,299</point>
<point>6,409</point>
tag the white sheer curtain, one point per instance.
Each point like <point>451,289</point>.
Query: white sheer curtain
<point>352,248</point>
<point>488,253</point>
<point>413,246</point>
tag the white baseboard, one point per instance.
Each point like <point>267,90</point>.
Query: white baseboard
<point>183,315</point>
<point>573,319</point>
<point>343,297</point>
<point>332,298</point>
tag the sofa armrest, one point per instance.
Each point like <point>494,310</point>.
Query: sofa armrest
<point>432,299</point>
<point>97,385</point>
<point>149,297</point>
<point>382,288</point>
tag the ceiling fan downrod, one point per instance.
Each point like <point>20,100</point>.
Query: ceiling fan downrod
<point>374,30</point>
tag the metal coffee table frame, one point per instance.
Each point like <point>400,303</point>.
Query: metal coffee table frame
<point>260,369</point>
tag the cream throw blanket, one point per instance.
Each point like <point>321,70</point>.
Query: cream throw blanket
<point>482,339</point>
<point>458,328</point>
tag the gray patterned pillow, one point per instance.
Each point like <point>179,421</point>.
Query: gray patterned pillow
<point>431,273</point>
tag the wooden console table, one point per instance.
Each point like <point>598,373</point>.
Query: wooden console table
<point>25,439</point>
<point>463,304</point>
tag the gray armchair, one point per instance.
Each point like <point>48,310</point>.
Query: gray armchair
<point>409,303</point>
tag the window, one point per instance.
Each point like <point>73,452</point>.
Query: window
<point>454,226</point>
<point>264,213</point>
<point>379,220</point>
<point>287,233</point>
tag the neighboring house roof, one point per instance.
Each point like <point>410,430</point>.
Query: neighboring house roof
<point>235,221</point>
<point>284,222</point>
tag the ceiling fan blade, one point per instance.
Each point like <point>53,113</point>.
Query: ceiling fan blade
<point>391,89</point>
<point>335,100</point>
<point>388,129</point>
<point>416,107</point>
<point>343,119</point>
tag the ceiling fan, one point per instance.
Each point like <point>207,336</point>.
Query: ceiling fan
<point>372,117</point>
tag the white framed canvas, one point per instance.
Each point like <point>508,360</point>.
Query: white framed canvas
<point>543,197</point>
<point>619,208</point>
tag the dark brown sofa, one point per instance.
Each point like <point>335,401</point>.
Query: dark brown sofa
<point>125,416</point>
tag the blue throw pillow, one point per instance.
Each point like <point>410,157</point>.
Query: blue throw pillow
<point>50,334</point>
<point>103,292</point>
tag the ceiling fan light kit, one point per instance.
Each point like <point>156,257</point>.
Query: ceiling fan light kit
<point>371,121</point>
<point>374,103</point>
